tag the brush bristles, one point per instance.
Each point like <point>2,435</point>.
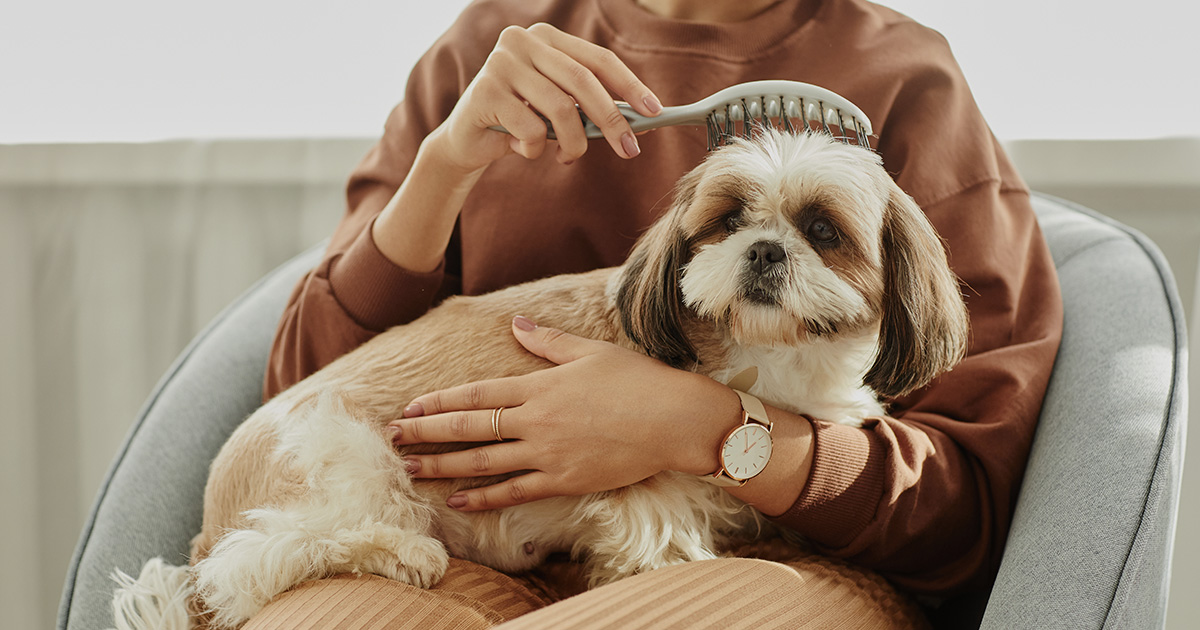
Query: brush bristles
<point>738,119</point>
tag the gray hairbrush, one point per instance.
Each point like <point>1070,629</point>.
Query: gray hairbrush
<point>736,110</point>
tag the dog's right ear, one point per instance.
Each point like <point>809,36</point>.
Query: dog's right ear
<point>650,299</point>
<point>925,326</point>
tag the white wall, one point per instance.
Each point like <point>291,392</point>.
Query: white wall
<point>1074,69</point>
<point>129,70</point>
<point>141,70</point>
<point>135,70</point>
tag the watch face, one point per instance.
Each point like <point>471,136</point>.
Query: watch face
<point>747,451</point>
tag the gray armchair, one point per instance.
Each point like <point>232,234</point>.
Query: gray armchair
<point>1090,545</point>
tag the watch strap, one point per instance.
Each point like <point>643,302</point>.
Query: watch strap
<point>744,380</point>
<point>724,481</point>
<point>754,409</point>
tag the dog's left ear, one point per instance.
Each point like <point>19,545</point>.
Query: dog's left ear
<point>650,299</point>
<point>924,325</point>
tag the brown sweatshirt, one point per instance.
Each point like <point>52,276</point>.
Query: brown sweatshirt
<point>924,497</point>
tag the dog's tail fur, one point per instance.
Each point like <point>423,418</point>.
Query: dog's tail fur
<point>156,600</point>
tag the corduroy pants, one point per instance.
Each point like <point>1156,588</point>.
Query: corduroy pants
<point>803,590</point>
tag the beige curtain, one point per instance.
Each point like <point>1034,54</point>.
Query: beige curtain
<point>112,258</point>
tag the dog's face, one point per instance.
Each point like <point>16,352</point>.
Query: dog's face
<point>790,239</point>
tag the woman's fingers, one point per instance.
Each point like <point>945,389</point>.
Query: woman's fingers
<point>520,489</point>
<point>580,85</point>
<point>479,425</point>
<point>567,71</point>
<point>540,74</point>
<point>498,392</point>
<point>587,72</point>
<point>558,107</point>
<point>605,66</point>
<point>481,461</point>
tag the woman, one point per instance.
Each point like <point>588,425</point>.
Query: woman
<point>445,205</point>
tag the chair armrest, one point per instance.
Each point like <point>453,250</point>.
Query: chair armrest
<point>1091,538</point>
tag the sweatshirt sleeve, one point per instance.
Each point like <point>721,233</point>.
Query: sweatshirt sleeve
<point>925,495</point>
<point>355,292</point>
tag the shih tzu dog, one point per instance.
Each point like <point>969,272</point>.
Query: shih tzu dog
<point>792,253</point>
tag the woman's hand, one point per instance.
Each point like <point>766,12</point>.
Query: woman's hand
<point>603,418</point>
<point>543,70</point>
<point>532,70</point>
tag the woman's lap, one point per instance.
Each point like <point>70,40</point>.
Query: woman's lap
<point>790,589</point>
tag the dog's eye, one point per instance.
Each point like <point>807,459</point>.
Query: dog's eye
<point>822,231</point>
<point>733,221</point>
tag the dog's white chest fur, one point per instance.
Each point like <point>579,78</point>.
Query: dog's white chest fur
<point>822,379</point>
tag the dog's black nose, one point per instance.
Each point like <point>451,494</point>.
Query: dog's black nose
<point>765,254</point>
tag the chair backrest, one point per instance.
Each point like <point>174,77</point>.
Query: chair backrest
<point>151,502</point>
<point>1090,545</point>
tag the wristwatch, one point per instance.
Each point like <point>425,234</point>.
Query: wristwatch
<point>747,449</point>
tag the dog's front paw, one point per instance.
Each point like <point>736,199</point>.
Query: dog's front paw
<point>410,558</point>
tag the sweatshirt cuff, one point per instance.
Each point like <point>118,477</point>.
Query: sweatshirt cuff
<point>844,486</point>
<point>377,292</point>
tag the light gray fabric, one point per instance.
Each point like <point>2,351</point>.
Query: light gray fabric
<point>151,503</point>
<point>1091,539</point>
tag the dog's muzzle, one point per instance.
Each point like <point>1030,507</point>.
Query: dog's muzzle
<point>763,272</point>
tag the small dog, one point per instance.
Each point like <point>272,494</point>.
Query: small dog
<point>795,254</point>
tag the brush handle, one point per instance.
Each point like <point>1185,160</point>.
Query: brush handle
<point>678,115</point>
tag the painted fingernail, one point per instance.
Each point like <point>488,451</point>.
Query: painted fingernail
<point>394,432</point>
<point>629,143</point>
<point>412,466</point>
<point>529,549</point>
<point>414,410</point>
<point>652,103</point>
<point>524,323</point>
<point>457,501</point>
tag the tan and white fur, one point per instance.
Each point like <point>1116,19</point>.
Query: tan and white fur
<point>795,254</point>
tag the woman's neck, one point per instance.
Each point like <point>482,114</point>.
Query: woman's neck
<point>705,10</point>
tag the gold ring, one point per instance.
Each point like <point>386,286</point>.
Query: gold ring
<point>496,422</point>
